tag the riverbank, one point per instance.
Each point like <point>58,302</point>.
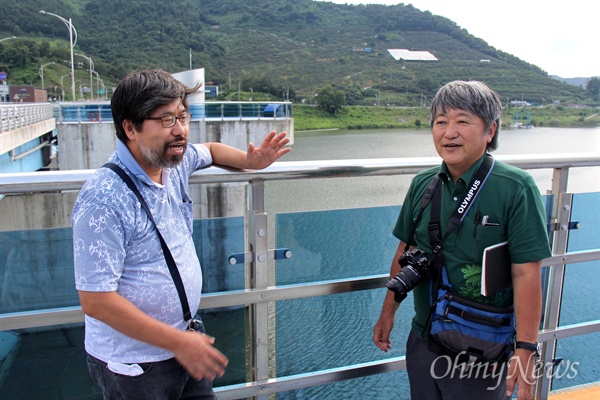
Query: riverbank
<point>384,117</point>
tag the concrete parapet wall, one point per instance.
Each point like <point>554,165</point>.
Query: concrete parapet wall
<point>14,138</point>
<point>36,211</point>
<point>88,146</point>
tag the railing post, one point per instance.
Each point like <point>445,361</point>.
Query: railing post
<point>561,216</point>
<point>257,278</point>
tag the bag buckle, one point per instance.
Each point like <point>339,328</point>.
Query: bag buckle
<point>194,325</point>
<point>448,297</point>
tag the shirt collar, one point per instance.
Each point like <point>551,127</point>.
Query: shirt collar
<point>444,174</point>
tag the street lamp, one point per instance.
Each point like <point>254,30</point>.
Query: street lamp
<point>98,82</point>
<point>252,94</point>
<point>91,70</point>
<point>62,89</point>
<point>42,72</point>
<point>72,32</point>
<point>80,88</point>
<point>8,38</point>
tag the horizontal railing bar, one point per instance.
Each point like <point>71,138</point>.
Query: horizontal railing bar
<point>300,381</point>
<point>31,319</point>
<point>313,289</point>
<point>39,318</point>
<point>572,257</point>
<point>566,331</point>
<point>289,292</point>
<point>51,181</point>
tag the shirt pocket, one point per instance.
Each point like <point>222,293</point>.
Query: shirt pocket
<point>186,206</point>
<point>487,235</point>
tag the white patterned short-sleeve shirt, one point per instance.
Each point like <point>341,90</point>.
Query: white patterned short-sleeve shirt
<point>116,248</point>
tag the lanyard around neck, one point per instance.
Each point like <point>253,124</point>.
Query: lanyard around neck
<point>462,209</point>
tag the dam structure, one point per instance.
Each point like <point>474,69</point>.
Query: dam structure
<point>81,135</point>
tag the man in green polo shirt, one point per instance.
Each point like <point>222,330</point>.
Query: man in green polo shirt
<point>465,120</point>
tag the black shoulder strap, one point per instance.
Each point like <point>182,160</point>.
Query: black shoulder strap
<point>167,253</point>
<point>427,195</point>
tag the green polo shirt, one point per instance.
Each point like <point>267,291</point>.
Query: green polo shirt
<point>512,204</point>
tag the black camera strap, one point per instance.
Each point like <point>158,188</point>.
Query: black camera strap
<point>433,195</point>
<point>437,260</point>
<point>187,315</point>
<point>427,195</point>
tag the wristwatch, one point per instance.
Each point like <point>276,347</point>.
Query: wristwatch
<point>533,347</point>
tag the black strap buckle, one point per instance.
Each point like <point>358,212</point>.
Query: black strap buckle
<point>195,325</point>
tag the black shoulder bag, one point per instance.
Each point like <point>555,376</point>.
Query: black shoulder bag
<point>192,323</point>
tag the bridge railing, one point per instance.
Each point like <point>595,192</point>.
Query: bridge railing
<point>18,115</point>
<point>260,291</point>
<point>93,112</point>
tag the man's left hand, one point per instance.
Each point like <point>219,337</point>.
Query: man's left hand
<point>271,148</point>
<point>521,373</point>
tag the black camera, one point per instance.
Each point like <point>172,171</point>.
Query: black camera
<point>415,266</point>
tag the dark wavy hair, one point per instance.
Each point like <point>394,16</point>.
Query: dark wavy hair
<point>472,96</point>
<point>141,92</point>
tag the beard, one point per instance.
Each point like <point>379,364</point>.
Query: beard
<point>160,158</point>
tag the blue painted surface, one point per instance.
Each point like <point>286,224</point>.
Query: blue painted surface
<point>29,163</point>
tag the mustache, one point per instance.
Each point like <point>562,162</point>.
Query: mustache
<point>177,140</point>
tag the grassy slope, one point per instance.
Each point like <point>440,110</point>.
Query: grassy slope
<point>358,117</point>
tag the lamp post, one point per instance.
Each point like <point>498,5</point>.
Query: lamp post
<point>98,82</point>
<point>42,72</point>
<point>62,89</point>
<point>72,32</point>
<point>80,88</point>
<point>91,70</point>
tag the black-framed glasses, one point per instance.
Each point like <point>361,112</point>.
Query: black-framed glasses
<point>169,120</point>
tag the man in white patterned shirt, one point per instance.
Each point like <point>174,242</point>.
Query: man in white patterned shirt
<point>135,334</point>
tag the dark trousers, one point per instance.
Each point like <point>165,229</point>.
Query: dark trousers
<point>164,380</point>
<point>435,377</point>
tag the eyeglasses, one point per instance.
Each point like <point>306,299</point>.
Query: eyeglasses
<point>169,121</point>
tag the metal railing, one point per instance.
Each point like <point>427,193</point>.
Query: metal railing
<point>258,293</point>
<point>94,112</point>
<point>19,115</point>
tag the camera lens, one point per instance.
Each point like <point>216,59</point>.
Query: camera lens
<point>413,264</point>
<point>403,282</point>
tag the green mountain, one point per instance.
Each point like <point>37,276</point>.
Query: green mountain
<point>284,48</point>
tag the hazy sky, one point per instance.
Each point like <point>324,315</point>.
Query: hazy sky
<point>561,37</point>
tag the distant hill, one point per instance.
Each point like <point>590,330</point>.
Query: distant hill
<point>283,48</point>
<point>581,82</point>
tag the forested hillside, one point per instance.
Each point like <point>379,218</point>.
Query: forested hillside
<point>286,48</point>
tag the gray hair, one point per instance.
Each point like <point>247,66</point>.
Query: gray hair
<point>474,97</point>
